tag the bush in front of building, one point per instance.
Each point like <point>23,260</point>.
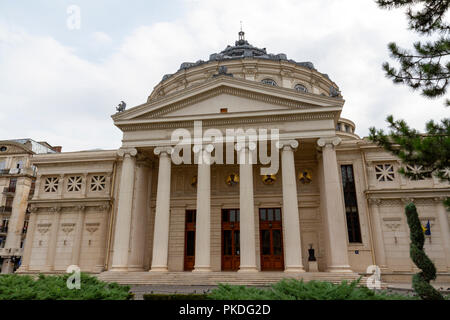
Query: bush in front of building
<point>54,287</point>
<point>421,280</point>
<point>292,289</point>
<point>175,296</point>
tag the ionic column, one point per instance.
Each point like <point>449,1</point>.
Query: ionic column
<point>162,215</point>
<point>334,207</point>
<point>203,218</point>
<point>25,265</point>
<point>123,221</point>
<point>139,216</point>
<point>52,242</point>
<point>81,211</point>
<point>247,210</point>
<point>443,224</point>
<point>380,255</point>
<point>291,220</point>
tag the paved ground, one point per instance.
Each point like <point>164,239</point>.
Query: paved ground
<point>139,290</point>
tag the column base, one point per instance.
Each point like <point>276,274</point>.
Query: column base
<point>136,268</point>
<point>22,269</point>
<point>159,269</point>
<point>341,269</point>
<point>202,269</point>
<point>47,269</point>
<point>118,268</point>
<point>99,268</point>
<point>248,269</point>
<point>294,269</point>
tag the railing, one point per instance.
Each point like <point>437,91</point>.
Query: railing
<point>3,229</point>
<point>11,252</point>
<point>9,189</point>
<point>5,209</point>
<point>29,171</point>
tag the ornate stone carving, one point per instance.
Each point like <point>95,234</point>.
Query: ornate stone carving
<point>92,227</point>
<point>104,207</point>
<point>334,141</point>
<point>55,209</point>
<point>43,227</point>
<point>122,152</point>
<point>375,201</point>
<point>163,149</point>
<point>80,208</point>
<point>287,144</point>
<point>67,227</point>
<point>392,223</point>
<point>33,209</point>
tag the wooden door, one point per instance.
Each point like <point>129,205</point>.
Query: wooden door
<point>230,239</point>
<point>189,240</point>
<point>271,239</point>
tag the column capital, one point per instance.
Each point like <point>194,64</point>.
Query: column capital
<point>122,152</point>
<point>439,198</point>
<point>168,150</point>
<point>287,144</point>
<point>333,141</point>
<point>80,208</point>
<point>203,147</point>
<point>244,145</point>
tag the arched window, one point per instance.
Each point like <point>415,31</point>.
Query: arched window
<point>301,88</point>
<point>270,82</point>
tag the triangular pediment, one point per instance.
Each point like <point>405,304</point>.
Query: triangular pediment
<point>225,96</point>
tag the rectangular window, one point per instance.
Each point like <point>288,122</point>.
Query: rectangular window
<point>351,204</point>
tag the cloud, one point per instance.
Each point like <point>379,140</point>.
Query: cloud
<point>101,38</point>
<point>48,92</point>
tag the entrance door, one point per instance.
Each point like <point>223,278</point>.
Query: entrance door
<point>189,240</point>
<point>271,239</point>
<point>230,239</point>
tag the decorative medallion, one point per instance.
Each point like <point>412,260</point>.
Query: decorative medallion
<point>194,181</point>
<point>232,179</point>
<point>269,179</point>
<point>43,227</point>
<point>67,227</point>
<point>92,227</point>
<point>305,176</point>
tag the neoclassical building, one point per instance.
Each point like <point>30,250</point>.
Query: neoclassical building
<point>140,208</point>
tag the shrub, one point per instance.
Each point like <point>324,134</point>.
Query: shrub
<point>291,289</point>
<point>53,287</point>
<point>175,296</point>
<point>421,280</point>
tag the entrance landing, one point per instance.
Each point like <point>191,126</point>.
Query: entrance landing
<point>213,278</point>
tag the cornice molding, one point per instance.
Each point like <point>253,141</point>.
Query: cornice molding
<point>225,122</point>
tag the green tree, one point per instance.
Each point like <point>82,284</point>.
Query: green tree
<point>426,68</point>
<point>421,280</point>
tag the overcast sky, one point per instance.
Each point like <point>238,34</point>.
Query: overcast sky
<point>61,84</point>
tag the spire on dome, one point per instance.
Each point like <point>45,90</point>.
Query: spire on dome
<point>241,34</point>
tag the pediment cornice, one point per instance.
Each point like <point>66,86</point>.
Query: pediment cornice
<point>262,119</point>
<point>225,85</point>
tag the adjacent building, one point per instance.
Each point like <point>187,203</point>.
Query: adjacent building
<point>17,182</point>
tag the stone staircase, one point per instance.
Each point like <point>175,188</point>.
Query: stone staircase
<point>213,278</point>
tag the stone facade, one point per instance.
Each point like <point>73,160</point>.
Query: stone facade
<point>17,182</point>
<point>126,209</point>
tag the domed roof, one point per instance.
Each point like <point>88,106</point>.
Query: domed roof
<point>243,49</point>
